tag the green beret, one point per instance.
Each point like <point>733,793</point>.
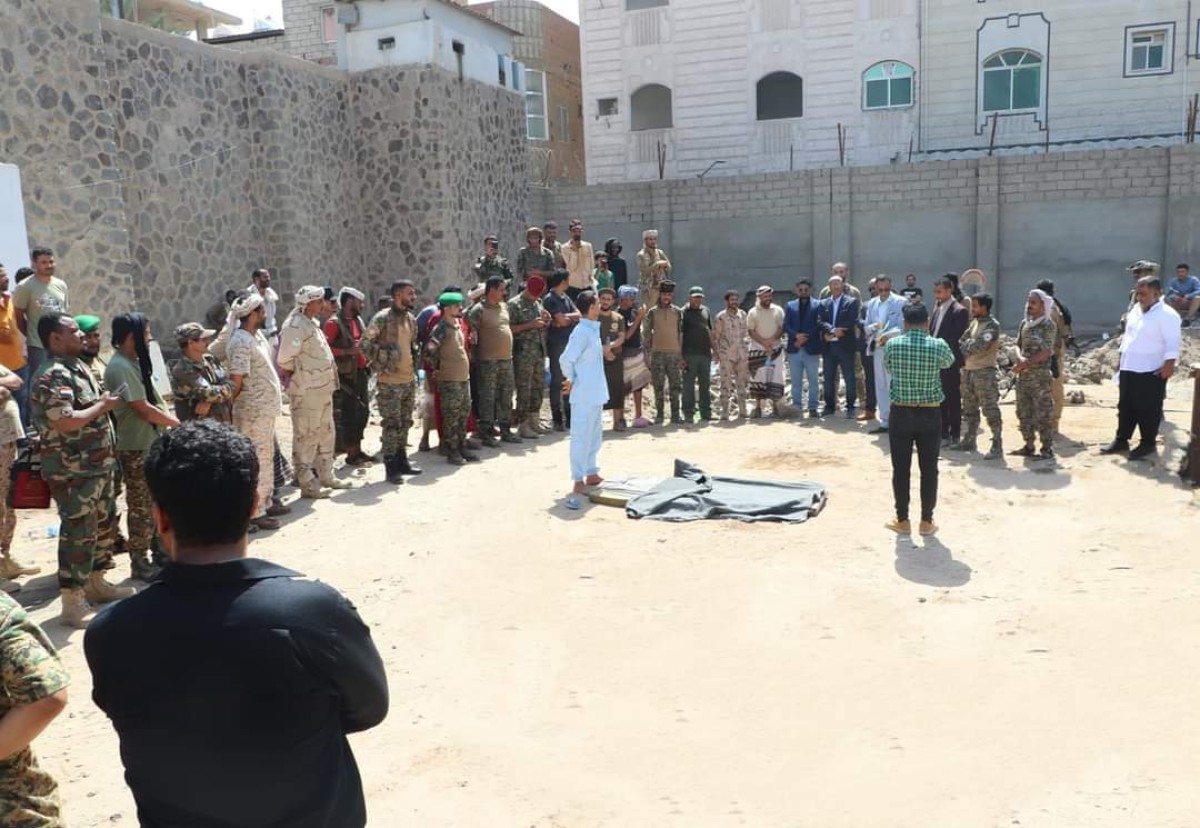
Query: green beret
<point>450,299</point>
<point>87,323</point>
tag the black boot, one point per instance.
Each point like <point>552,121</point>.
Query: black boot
<point>403,465</point>
<point>391,465</point>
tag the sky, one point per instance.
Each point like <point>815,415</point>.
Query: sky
<point>248,10</point>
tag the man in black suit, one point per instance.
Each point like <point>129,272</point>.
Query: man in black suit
<point>948,322</point>
<point>838,319</point>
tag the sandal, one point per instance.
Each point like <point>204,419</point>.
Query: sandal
<point>619,425</point>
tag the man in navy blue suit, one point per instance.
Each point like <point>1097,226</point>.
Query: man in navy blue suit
<point>805,345</point>
<point>838,319</point>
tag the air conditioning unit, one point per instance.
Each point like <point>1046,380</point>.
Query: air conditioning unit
<point>347,15</point>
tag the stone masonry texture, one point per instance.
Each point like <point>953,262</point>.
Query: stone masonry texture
<point>163,171</point>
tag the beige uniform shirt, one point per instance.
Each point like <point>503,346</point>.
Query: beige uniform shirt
<point>304,352</point>
<point>580,264</point>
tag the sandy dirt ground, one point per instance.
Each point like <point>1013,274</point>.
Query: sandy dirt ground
<point>1035,664</point>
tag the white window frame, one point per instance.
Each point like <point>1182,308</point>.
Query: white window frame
<point>328,16</point>
<point>1132,34</point>
<point>532,118</point>
<point>1012,109</point>
<point>889,67</point>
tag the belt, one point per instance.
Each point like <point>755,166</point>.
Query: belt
<point>916,405</point>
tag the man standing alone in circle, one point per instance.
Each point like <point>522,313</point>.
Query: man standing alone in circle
<point>1149,350</point>
<point>915,361</point>
<point>258,672</point>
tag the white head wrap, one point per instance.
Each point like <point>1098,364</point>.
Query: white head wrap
<point>241,308</point>
<point>357,294</point>
<point>1047,305</point>
<point>309,293</point>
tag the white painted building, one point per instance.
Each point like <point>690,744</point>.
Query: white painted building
<point>376,33</point>
<point>727,87</point>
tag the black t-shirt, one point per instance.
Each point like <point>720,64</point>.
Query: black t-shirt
<point>910,292</point>
<point>555,304</point>
<point>633,335</point>
<point>232,687</point>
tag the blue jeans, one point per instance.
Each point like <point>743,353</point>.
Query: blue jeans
<point>839,356</point>
<point>803,365</point>
<point>587,431</point>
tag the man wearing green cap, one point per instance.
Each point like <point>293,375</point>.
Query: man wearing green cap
<point>490,325</point>
<point>697,356</point>
<point>89,326</point>
<point>447,349</point>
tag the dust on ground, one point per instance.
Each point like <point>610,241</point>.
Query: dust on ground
<point>1027,666</point>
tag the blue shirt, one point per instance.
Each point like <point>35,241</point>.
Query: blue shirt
<point>583,364</point>
<point>1189,288</point>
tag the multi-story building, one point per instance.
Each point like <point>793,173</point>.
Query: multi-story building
<point>548,46</point>
<point>679,88</point>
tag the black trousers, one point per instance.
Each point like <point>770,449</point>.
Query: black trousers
<point>921,427</point>
<point>1140,404</point>
<point>868,363</point>
<point>952,404</point>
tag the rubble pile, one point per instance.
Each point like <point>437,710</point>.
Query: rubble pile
<point>1099,359</point>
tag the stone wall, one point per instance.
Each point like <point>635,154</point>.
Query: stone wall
<point>163,171</point>
<point>1076,217</point>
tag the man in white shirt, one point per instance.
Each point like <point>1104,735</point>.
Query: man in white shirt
<point>260,283</point>
<point>1149,350</point>
<point>580,261</point>
<point>884,319</point>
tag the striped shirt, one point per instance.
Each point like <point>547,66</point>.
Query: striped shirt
<point>915,362</point>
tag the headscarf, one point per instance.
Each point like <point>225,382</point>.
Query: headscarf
<point>308,293</point>
<point>609,245</point>
<point>245,305</point>
<point>1047,305</point>
<point>627,292</point>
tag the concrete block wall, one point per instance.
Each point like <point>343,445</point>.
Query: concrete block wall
<point>1076,217</point>
<point>302,33</point>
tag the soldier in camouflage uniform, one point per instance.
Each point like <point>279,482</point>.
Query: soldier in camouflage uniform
<point>447,348</point>
<point>528,321</point>
<point>77,449</point>
<point>493,340</point>
<point>534,259</point>
<point>732,354</point>
<point>90,355</point>
<point>392,346</point>
<point>1035,400</point>
<point>199,384</point>
<point>491,263</point>
<point>662,336</point>
<point>33,689</point>
<point>979,344</point>
<point>653,268</point>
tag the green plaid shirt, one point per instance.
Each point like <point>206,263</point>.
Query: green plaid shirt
<point>915,361</point>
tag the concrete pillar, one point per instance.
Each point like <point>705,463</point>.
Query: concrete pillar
<point>822,223</point>
<point>1183,204</point>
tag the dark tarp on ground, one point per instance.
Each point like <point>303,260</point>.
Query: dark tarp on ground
<point>694,495</point>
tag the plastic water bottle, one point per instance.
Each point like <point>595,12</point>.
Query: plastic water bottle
<point>421,374</point>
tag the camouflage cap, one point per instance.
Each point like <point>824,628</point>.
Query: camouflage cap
<point>1142,264</point>
<point>192,331</point>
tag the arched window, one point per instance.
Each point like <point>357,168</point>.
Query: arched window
<point>888,85</point>
<point>650,107</point>
<point>780,95</point>
<point>1012,81</point>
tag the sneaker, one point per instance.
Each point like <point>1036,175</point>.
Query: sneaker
<point>928,527</point>
<point>900,527</point>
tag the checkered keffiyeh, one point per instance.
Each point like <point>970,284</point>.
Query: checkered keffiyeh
<point>915,362</point>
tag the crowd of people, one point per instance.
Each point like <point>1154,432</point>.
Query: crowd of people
<point>481,356</point>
